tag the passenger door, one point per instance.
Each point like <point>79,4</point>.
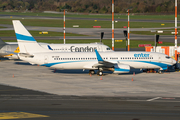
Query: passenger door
<point>45,59</point>
<point>160,59</point>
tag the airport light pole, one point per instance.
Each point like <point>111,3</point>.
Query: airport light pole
<point>64,29</point>
<point>102,34</point>
<point>125,35</point>
<point>176,30</point>
<point>156,41</point>
<point>128,32</point>
<point>64,10</point>
<point>112,24</point>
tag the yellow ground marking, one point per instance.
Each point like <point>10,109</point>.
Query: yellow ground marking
<point>118,40</point>
<point>19,115</point>
<point>43,32</point>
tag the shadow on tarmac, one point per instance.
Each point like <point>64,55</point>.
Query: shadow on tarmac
<point>22,63</point>
<point>80,71</point>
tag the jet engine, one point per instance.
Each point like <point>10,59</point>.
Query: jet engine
<point>121,68</point>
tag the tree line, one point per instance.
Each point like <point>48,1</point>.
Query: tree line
<point>90,6</point>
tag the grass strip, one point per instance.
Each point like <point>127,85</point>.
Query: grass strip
<point>85,23</point>
<point>153,33</point>
<point>133,43</point>
<point>11,33</point>
<point>86,15</point>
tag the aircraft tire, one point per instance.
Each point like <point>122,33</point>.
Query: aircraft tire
<point>159,71</point>
<point>100,73</point>
<point>92,72</point>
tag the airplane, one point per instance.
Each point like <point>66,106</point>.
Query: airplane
<point>118,62</point>
<point>78,47</point>
<point>13,47</point>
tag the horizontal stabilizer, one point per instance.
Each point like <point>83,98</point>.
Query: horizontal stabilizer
<point>2,42</point>
<point>10,52</point>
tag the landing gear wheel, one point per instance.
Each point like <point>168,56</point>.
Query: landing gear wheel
<point>159,71</point>
<point>92,72</point>
<point>100,73</point>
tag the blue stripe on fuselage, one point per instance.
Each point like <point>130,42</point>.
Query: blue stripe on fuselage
<point>162,65</point>
<point>119,69</point>
<point>51,64</point>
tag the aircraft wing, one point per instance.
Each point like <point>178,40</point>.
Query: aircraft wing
<point>104,64</point>
<point>115,67</point>
<point>101,62</point>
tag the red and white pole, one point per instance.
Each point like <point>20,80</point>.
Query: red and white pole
<point>64,29</point>
<point>176,30</point>
<point>128,33</point>
<point>112,24</point>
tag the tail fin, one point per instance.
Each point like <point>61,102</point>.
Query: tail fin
<point>2,42</point>
<point>26,42</point>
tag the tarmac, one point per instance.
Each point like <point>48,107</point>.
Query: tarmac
<point>42,93</point>
<point>80,83</point>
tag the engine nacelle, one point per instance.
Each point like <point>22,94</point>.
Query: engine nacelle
<point>121,68</point>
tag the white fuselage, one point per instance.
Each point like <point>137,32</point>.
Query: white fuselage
<point>12,46</point>
<point>77,47</point>
<point>84,60</point>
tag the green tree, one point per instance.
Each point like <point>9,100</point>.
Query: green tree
<point>158,9</point>
<point>4,5</point>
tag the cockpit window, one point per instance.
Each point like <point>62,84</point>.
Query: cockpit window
<point>108,48</point>
<point>168,57</point>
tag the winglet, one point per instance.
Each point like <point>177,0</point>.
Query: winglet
<point>98,56</point>
<point>49,47</point>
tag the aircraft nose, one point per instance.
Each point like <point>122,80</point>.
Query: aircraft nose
<point>173,61</point>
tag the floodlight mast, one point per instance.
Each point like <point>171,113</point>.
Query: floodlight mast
<point>112,24</point>
<point>176,30</point>
<point>128,32</point>
<point>64,29</point>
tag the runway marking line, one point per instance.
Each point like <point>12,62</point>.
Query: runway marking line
<point>154,98</point>
<point>19,115</point>
<point>168,98</point>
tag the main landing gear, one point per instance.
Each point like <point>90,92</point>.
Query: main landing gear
<point>92,72</point>
<point>160,71</point>
<point>100,73</point>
